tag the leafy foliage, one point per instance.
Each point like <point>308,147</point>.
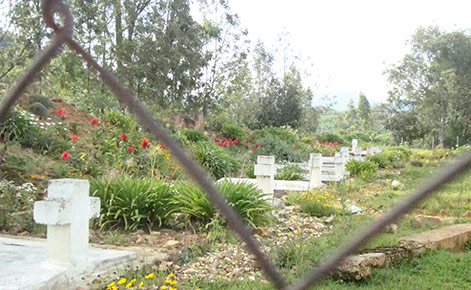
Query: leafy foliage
<point>290,172</point>
<point>232,131</point>
<point>132,203</point>
<point>361,168</point>
<point>214,159</point>
<point>246,199</point>
<point>193,135</point>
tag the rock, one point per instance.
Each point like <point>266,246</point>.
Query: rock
<point>278,203</point>
<point>171,244</point>
<point>262,231</point>
<point>329,219</point>
<point>395,184</point>
<point>159,257</point>
<point>467,214</point>
<point>425,220</point>
<point>391,228</point>
<point>358,267</point>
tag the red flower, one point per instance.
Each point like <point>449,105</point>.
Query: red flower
<point>144,143</point>
<point>225,142</point>
<point>231,143</point>
<point>219,143</point>
<point>163,147</point>
<point>130,148</point>
<point>236,141</point>
<point>256,144</point>
<point>331,145</point>
<point>263,143</point>
<point>94,121</point>
<point>336,143</point>
<point>323,145</point>
<point>65,155</point>
<point>73,137</point>
<point>123,137</point>
<point>230,139</point>
<point>253,149</point>
<point>246,140</point>
<point>294,147</point>
<point>218,139</point>
<point>60,113</point>
<point>326,142</point>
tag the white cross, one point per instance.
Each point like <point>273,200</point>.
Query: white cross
<point>66,212</point>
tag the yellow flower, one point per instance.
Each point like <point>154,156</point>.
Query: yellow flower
<point>298,246</point>
<point>122,281</point>
<point>163,287</point>
<point>150,276</point>
<point>142,283</point>
<point>129,285</point>
<point>171,275</point>
<point>133,280</point>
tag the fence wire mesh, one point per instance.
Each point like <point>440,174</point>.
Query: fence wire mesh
<point>63,35</point>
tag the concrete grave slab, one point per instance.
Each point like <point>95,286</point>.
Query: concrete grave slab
<point>25,265</point>
<point>451,238</point>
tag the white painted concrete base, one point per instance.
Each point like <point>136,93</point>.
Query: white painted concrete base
<point>24,265</point>
<point>280,185</point>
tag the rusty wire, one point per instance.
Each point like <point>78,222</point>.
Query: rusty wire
<point>64,35</point>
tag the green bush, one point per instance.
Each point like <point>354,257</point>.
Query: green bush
<point>132,203</point>
<point>46,142</point>
<point>282,150</point>
<point>122,121</point>
<point>45,101</point>
<point>218,162</point>
<point>38,109</point>
<point>286,135</point>
<point>191,200</point>
<point>331,137</point>
<point>232,131</point>
<point>290,172</point>
<point>246,199</point>
<point>193,135</point>
<point>17,124</point>
<point>361,168</point>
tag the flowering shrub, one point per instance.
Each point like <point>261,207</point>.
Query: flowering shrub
<point>317,202</point>
<point>17,198</point>
<point>215,159</point>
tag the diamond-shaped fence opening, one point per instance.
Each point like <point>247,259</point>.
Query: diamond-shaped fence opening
<point>63,35</point>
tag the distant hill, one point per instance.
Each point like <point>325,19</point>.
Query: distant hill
<point>338,100</point>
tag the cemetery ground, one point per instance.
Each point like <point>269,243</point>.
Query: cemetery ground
<point>187,244</point>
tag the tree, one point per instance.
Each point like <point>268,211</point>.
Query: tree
<point>434,80</point>
<point>364,111</point>
<point>351,115</point>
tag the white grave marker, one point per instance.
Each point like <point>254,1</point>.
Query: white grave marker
<point>66,212</point>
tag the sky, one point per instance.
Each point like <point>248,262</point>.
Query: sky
<point>349,43</point>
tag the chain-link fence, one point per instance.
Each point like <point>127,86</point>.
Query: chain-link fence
<point>63,35</point>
